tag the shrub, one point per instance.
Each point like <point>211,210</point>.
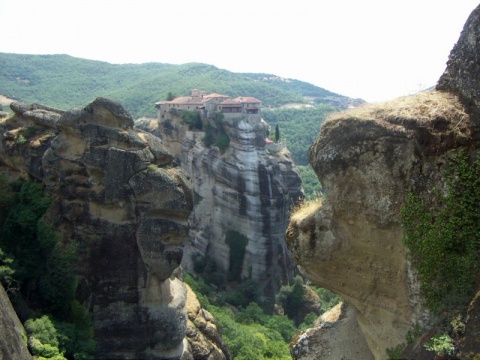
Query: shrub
<point>222,142</point>
<point>216,135</point>
<point>209,138</point>
<point>6,272</point>
<point>192,119</point>
<point>248,291</point>
<point>291,297</point>
<point>43,330</point>
<point>441,344</point>
<point>396,353</point>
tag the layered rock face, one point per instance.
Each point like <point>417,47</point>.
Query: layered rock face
<point>118,196</point>
<point>248,189</point>
<point>368,160</point>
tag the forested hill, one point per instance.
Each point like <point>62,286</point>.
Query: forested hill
<point>64,82</point>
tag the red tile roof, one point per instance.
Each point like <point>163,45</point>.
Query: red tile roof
<point>185,100</point>
<point>214,95</point>
<point>247,99</point>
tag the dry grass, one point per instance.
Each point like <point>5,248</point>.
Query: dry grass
<point>423,107</point>
<point>304,208</point>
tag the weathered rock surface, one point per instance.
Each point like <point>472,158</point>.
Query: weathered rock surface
<point>248,189</point>
<point>12,346</point>
<point>327,340</point>
<point>118,196</point>
<point>203,335</point>
<point>367,161</point>
<point>462,75</point>
<point>470,343</point>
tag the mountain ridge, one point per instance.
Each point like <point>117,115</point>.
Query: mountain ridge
<point>65,81</point>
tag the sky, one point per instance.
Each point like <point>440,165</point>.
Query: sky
<point>376,50</point>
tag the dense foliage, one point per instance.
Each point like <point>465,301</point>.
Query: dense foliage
<point>443,239</point>
<point>38,271</point>
<point>246,321</point>
<point>215,135</point>
<point>63,81</point>
<point>249,333</point>
<point>298,126</point>
<point>311,186</point>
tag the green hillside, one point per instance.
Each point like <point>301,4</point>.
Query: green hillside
<point>64,82</point>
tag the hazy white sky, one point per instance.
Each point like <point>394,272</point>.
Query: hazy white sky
<point>372,49</point>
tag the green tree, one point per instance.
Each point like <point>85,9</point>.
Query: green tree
<point>277,133</point>
<point>43,338</point>
<point>6,271</point>
<point>291,297</point>
<point>6,197</point>
<point>170,96</point>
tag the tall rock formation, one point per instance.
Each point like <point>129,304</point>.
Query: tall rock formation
<point>118,196</point>
<point>248,190</point>
<point>368,160</point>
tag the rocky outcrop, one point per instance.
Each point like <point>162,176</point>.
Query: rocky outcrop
<point>119,197</point>
<point>327,340</point>
<point>470,343</point>
<point>203,335</point>
<point>248,189</point>
<point>462,75</point>
<point>13,338</point>
<point>368,160</point>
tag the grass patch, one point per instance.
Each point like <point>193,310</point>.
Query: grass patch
<point>423,107</point>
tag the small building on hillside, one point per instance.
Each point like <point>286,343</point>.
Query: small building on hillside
<point>210,104</point>
<point>245,105</point>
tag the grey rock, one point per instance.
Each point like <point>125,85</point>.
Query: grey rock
<point>13,336</point>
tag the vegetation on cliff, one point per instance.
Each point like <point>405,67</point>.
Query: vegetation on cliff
<point>38,272</point>
<point>443,239</point>
<point>249,326</point>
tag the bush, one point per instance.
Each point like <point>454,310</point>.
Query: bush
<point>6,272</point>
<point>441,344</point>
<point>291,297</point>
<point>44,270</point>
<point>192,119</point>
<point>248,291</point>
<point>327,299</point>
<point>216,135</point>
<point>250,341</point>
<point>43,330</point>
<point>222,142</point>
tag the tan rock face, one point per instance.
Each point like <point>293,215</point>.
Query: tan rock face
<point>118,196</point>
<point>367,161</point>
<point>336,336</point>
<point>203,334</point>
